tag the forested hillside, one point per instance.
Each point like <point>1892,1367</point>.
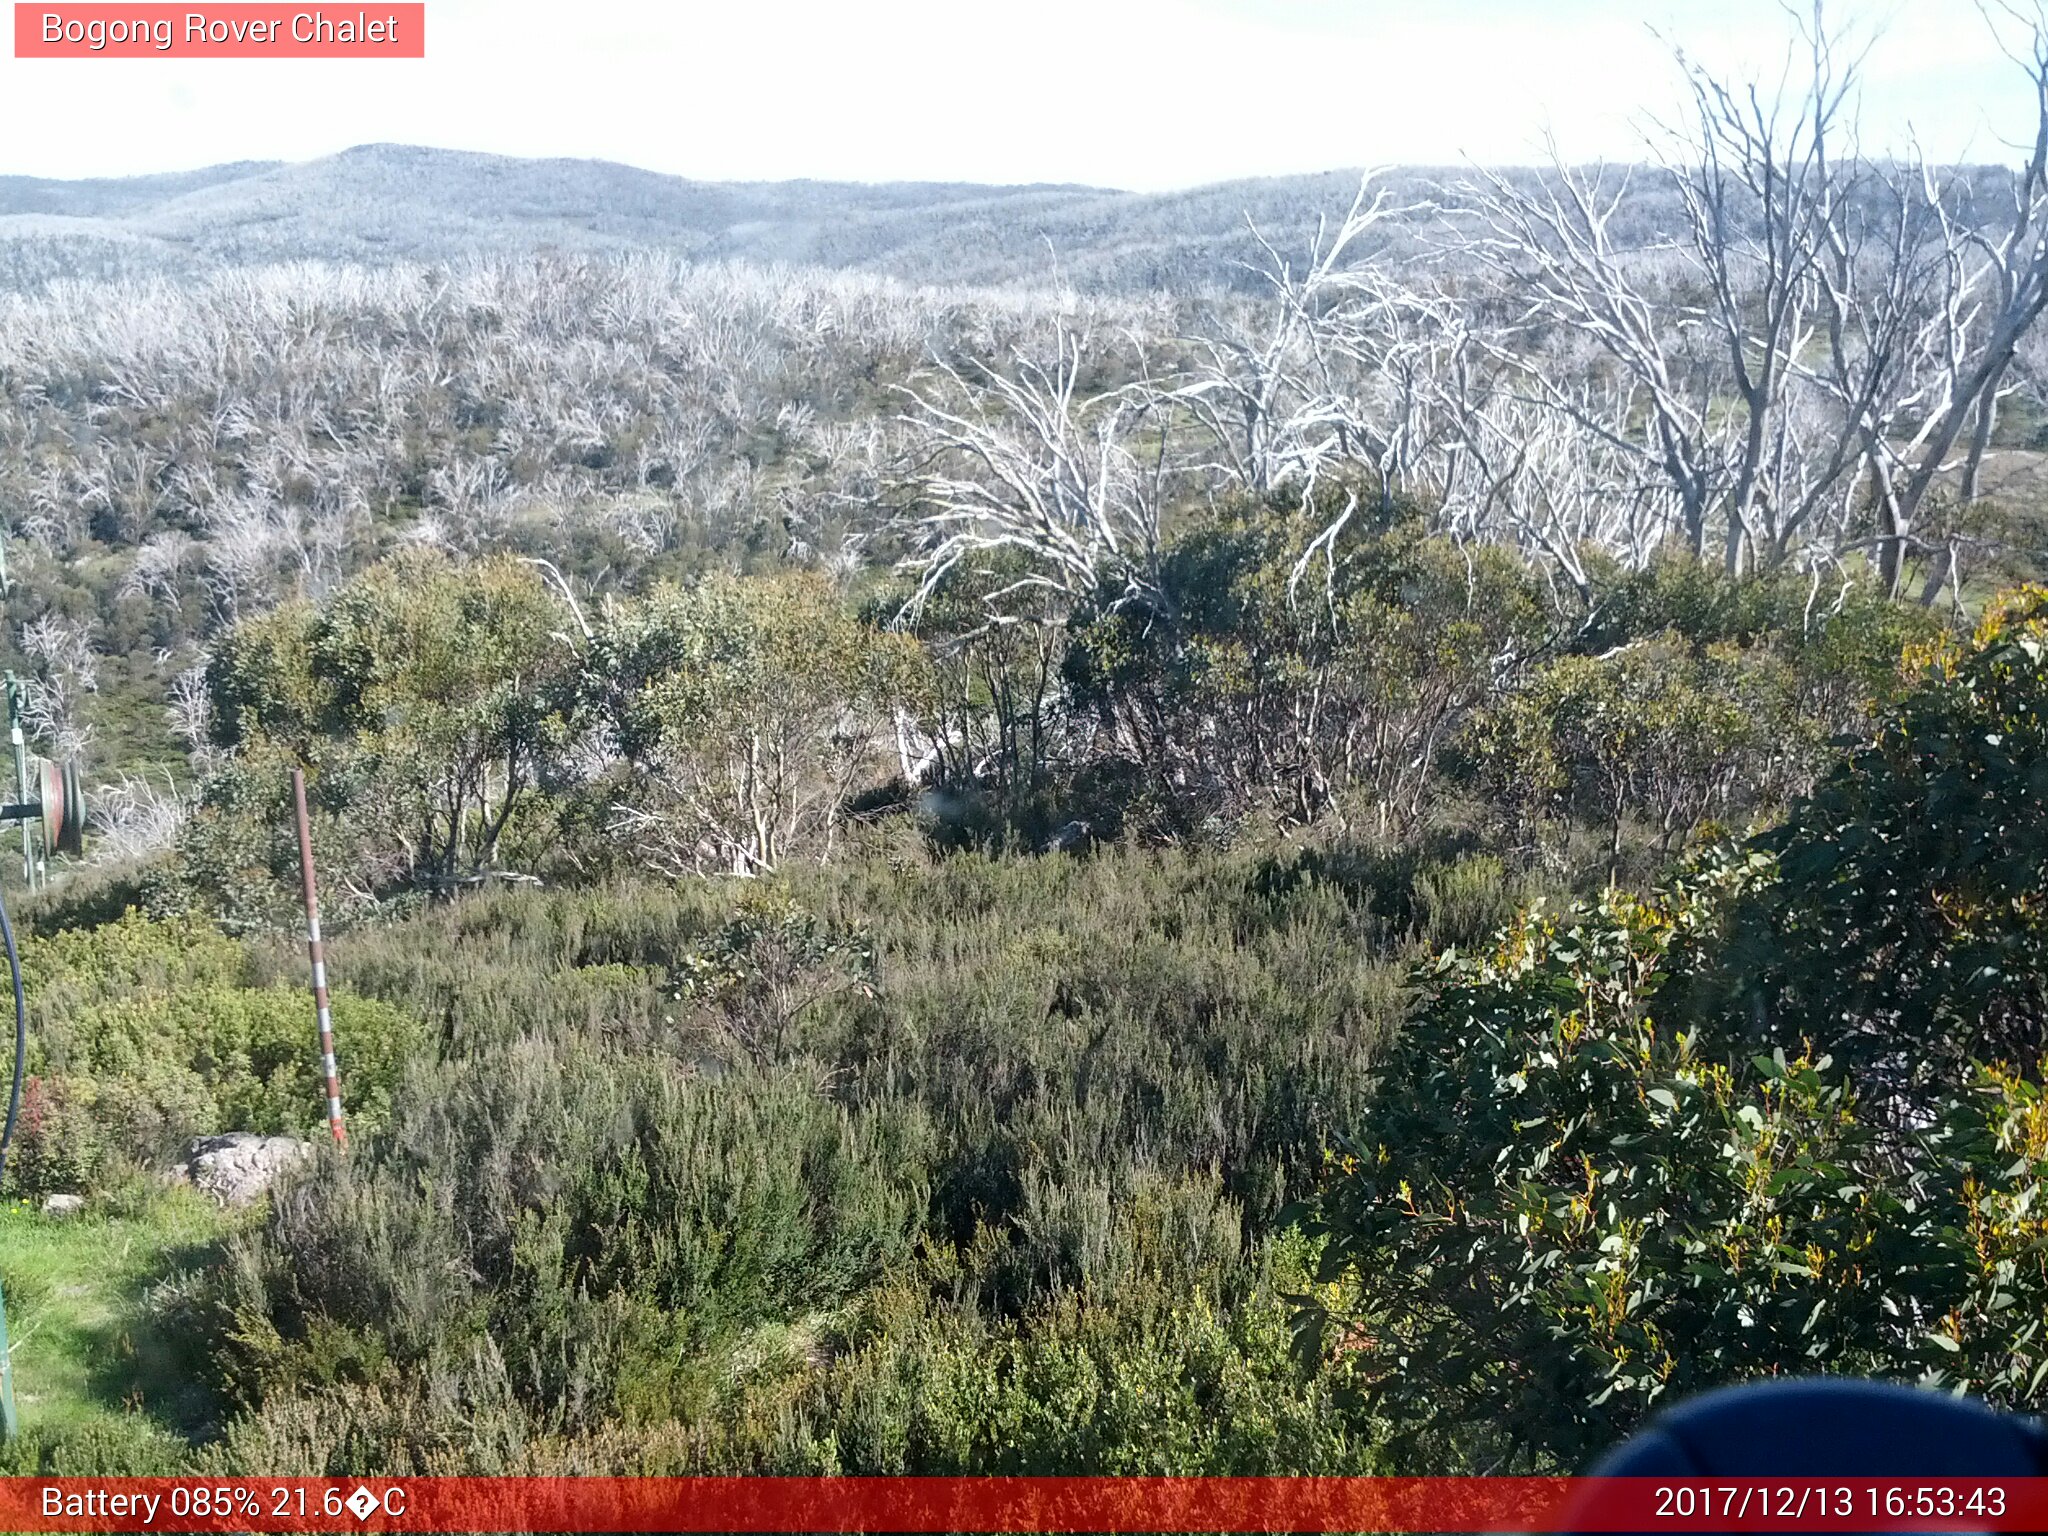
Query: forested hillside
<point>1375,860</point>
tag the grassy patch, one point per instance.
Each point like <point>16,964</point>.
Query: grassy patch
<point>90,1365</point>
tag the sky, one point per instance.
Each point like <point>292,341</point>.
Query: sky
<point>1143,94</point>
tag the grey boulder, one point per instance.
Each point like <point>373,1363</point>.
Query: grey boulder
<point>239,1167</point>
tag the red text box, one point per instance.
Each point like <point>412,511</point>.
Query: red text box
<point>286,1506</point>
<point>233,31</point>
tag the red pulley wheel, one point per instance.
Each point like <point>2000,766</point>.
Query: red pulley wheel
<point>63,808</point>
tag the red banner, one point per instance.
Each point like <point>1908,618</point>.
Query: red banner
<point>231,31</point>
<point>938,1504</point>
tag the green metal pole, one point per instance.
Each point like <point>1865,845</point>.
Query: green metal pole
<point>14,735</point>
<point>9,1425</point>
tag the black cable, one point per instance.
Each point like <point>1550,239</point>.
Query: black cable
<point>20,1040</point>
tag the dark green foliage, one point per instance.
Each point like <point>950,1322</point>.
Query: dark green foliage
<point>1582,1190</point>
<point>458,725</point>
<point>1287,688</point>
<point>1844,636</point>
<point>421,701</point>
<point>1567,1209</point>
<point>595,1214</point>
<point>1080,1017</point>
<point>89,898</point>
<point>774,962</point>
<point>1154,1375</point>
<point>1652,732</point>
<point>236,863</point>
<point>134,1447</point>
<point>994,699</point>
<point>1909,929</point>
<point>1158,1375</point>
<point>1685,698</point>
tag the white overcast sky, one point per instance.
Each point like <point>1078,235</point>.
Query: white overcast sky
<point>1147,94</point>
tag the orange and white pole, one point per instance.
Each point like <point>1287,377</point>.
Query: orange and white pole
<point>314,951</point>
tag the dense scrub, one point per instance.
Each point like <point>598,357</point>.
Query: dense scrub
<point>919,1149</point>
<point>933,1161</point>
<point>901,1166</point>
<point>460,726</point>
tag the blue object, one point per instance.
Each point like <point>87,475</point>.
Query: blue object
<point>1831,1428</point>
<point>1825,1427</point>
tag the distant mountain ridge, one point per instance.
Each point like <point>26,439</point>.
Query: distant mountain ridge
<point>383,202</point>
<point>114,197</point>
<point>393,202</point>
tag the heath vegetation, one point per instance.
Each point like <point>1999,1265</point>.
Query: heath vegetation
<point>1376,867</point>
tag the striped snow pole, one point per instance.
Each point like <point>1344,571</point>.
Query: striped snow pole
<point>319,959</point>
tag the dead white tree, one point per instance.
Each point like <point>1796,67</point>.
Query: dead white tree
<point>1763,181</point>
<point>1524,473</point>
<point>137,817</point>
<point>1853,326</point>
<point>1024,462</point>
<point>190,712</point>
<point>1326,365</point>
<point>1266,388</point>
<point>159,566</point>
<point>1551,248</point>
<point>1996,290</point>
<point>66,670</point>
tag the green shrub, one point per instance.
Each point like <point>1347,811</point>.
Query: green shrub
<point>421,695</point>
<point>130,1446</point>
<point>1296,691</point>
<point>599,1214</point>
<point>751,711</point>
<point>1150,1375</point>
<point>1652,733</point>
<point>1907,931</point>
<point>1567,1208</point>
<point>146,1034</point>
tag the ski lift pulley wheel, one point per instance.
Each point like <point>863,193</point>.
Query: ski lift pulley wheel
<point>63,808</point>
